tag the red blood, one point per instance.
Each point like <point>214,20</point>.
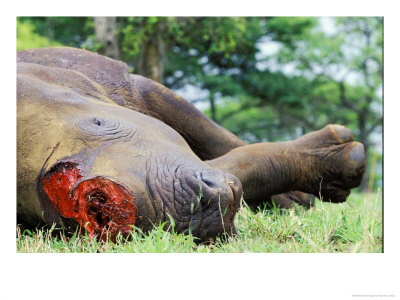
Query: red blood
<point>103,207</point>
<point>58,185</point>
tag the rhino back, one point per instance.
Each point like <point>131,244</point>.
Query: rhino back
<point>110,74</point>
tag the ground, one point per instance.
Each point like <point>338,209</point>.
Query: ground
<point>353,226</point>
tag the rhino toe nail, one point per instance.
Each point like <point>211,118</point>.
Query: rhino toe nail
<point>355,164</point>
<point>342,133</point>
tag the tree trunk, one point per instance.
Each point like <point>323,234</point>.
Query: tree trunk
<point>212,108</point>
<point>151,57</point>
<point>105,29</point>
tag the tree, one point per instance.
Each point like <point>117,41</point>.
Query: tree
<point>105,30</point>
<point>202,52</point>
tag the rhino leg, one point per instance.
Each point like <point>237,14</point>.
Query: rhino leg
<point>284,201</point>
<point>326,163</point>
<point>288,200</point>
<point>206,138</point>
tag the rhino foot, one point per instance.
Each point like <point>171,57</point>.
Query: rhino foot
<point>333,162</point>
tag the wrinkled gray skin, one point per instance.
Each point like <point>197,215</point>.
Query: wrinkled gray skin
<point>80,108</point>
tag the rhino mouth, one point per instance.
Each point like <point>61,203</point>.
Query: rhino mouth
<point>202,201</point>
<point>219,206</point>
<point>101,206</point>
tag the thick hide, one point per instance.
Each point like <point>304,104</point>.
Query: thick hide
<point>106,150</point>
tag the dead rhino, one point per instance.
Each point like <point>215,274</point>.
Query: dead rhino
<point>104,149</point>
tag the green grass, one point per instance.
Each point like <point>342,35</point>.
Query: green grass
<point>353,226</point>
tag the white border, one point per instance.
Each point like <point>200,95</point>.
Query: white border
<point>216,276</point>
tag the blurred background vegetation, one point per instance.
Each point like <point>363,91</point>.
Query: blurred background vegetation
<point>263,78</point>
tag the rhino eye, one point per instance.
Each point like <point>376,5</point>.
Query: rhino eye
<point>98,122</point>
<point>95,128</point>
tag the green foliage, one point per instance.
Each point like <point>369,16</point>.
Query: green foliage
<point>256,124</point>
<point>329,61</point>
<point>354,226</point>
<point>66,31</point>
<point>27,38</point>
<point>290,29</point>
